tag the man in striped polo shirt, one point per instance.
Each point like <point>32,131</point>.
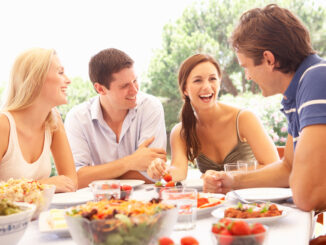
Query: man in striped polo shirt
<point>274,48</point>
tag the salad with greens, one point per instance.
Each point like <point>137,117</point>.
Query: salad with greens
<point>7,207</point>
<point>120,222</point>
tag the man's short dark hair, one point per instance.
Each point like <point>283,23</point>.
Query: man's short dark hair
<point>105,63</point>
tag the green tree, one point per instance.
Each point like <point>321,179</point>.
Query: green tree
<point>205,27</point>
<point>78,91</point>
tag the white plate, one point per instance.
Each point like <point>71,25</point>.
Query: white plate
<point>131,182</point>
<point>193,183</point>
<point>68,199</point>
<point>265,194</point>
<point>202,211</point>
<point>219,213</point>
<point>44,226</point>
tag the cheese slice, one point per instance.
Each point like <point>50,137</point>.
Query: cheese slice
<point>56,219</point>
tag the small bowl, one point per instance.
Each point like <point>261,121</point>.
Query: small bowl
<point>105,189</point>
<point>253,239</point>
<point>13,226</point>
<point>29,191</point>
<point>44,203</point>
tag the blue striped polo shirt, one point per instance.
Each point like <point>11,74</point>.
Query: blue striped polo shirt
<point>304,101</point>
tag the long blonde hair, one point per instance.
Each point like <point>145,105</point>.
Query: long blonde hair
<point>26,80</point>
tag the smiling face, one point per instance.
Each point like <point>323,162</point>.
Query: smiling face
<point>123,90</point>
<point>263,75</point>
<point>203,85</point>
<point>54,89</point>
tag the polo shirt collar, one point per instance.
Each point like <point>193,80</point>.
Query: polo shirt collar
<point>290,92</point>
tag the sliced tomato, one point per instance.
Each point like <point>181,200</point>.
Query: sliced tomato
<point>201,201</point>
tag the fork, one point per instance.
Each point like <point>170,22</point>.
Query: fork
<point>240,198</point>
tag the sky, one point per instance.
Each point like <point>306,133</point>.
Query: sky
<point>78,29</point>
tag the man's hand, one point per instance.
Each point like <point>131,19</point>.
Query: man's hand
<point>217,182</point>
<point>144,155</point>
<point>157,169</point>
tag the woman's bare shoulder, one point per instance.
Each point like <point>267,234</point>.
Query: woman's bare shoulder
<point>247,115</point>
<point>229,108</point>
<point>4,124</point>
<point>176,129</point>
<point>176,132</point>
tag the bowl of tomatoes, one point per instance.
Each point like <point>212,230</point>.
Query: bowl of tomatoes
<point>227,232</point>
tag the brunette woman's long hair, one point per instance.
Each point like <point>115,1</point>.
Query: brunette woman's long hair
<point>187,115</point>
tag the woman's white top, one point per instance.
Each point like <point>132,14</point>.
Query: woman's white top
<point>13,164</point>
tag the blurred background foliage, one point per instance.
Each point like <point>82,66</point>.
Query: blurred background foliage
<point>205,27</point>
<point>78,91</point>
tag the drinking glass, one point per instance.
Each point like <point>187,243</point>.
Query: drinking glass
<point>185,199</point>
<point>105,189</point>
<point>236,167</point>
<point>252,164</point>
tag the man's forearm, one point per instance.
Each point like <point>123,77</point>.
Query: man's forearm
<point>110,170</point>
<point>273,175</point>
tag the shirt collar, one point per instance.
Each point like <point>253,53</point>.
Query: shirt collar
<point>96,110</point>
<point>290,92</point>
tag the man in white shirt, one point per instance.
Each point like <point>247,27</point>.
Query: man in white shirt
<point>119,132</point>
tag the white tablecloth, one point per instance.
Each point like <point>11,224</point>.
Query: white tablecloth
<point>295,228</point>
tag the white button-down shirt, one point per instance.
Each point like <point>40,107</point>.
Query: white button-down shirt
<point>93,142</point>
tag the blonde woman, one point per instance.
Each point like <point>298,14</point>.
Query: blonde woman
<point>30,127</point>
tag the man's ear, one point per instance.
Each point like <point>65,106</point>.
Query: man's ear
<point>269,58</point>
<point>100,89</point>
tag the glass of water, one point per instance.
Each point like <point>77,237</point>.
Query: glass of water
<point>185,199</point>
<point>252,164</point>
<point>236,167</point>
<point>105,189</point>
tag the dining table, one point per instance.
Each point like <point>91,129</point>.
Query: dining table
<point>295,228</point>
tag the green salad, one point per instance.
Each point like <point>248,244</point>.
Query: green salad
<point>7,207</point>
<point>119,222</point>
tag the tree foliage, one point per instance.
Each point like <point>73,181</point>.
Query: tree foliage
<point>78,91</point>
<point>205,27</point>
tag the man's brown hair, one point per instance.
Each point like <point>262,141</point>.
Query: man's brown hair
<point>105,63</point>
<point>275,29</point>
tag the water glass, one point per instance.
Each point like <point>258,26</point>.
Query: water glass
<point>185,199</point>
<point>252,164</point>
<point>236,167</point>
<point>105,189</point>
